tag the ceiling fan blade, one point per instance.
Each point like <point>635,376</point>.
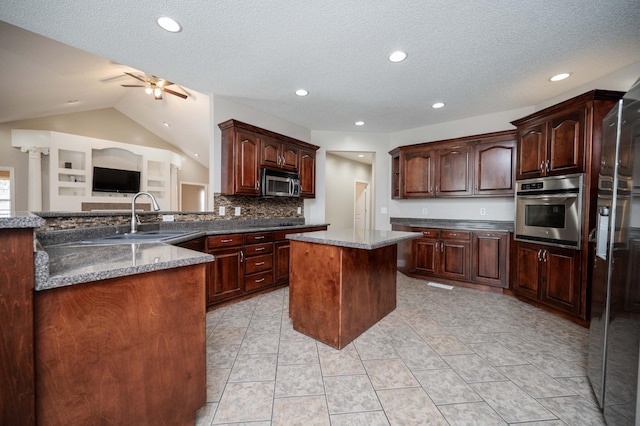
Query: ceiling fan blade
<point>136,77</point>
<point>132,85</point>
<point>181,95</point>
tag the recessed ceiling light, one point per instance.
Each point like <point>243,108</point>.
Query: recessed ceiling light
<point>359,123</point>
<point>437,105</point>
<point>360,155</point>
<point>398,56</point>
<point>166,124</point>
<point>196,155</point>
<point>301,92</point>
<point>169,24</point>
<point>560,76</point>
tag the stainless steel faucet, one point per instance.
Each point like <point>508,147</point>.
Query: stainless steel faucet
<point>134,220</point>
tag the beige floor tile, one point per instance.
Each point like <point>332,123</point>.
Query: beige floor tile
<point>350,394</point>
<point>411,406</point>
<point>245,402</point>
<point>303,411</point>
<point>389,374</point>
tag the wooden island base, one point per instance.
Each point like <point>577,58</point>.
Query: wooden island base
<point>336,293</point>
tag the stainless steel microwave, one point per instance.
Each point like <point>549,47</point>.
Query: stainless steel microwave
<point>549,210</point>
<point>276,183</point>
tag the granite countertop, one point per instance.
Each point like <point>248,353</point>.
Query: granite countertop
<point>65,260</point>
<point>20,220</point>
<point>74,264</point>
<point>462,224</point>
<point>367,240</point>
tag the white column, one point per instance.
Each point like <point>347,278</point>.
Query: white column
<point>174,188</point>
<point>34,192</point>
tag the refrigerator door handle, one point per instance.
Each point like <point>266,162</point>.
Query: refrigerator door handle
<point>602,232</point>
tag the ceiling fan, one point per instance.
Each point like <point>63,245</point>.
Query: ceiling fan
<point>154,86</point>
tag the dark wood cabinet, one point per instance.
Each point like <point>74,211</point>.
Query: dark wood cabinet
<point>307,164</point>
<point>464,257</point>
<point>454,171</point>
<point>417,173</point>
<point>258,260</point>
<point>226,272</point>
<point>495,165</point>
<point>550,275</point>
<point>281,253</point>
<point>472,166</point>
<point>246,149</point>
<point>490,252</point>
<point>278,155</point>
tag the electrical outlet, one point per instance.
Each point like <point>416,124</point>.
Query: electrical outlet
<point>425,210</point>
<point>168,218</point>
<point>222,211</point>
<point>237,211</point>
<point>383,210</point>
<point>483,211</point>
<point>299,210</point>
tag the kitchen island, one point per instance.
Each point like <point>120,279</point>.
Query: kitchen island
<point>342,282</point>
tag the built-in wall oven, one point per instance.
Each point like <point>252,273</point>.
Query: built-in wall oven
<point>549,210</point>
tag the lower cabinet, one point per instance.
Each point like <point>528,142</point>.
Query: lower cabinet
<point>226,274</point>
<point>549,275</point>
<point>478,257</point>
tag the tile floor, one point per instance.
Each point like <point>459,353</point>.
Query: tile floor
<point>457,357</point>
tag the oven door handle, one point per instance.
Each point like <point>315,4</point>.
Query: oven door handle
<point>547,196</point>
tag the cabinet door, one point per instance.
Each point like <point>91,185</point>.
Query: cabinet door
<point>395,176</point>
<point>425,256</point>
<point>453,175</point>
<point>281,261</point>
<point>566,143</point>
<point>495,165</point>
<point>226,276</point>
<point>532,151</point>
<point>307,165</point>
<point>417,174</point>
<point>526,277</point>
<point>247,167</point>
<point>489,258</point>
<point>289,157</point>
<point>270,152</point>
<point>561,278</point>
<point>454,259</point>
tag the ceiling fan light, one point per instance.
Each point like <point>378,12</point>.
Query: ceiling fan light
<point>157,92</point>
<point>148,90</point>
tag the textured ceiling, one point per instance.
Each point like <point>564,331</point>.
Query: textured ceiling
<point>477,56</point>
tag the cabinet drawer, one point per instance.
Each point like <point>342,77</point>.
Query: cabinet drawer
<point>449,234</point>
<point>259,280</point>
<point>258,263</point>
<point>256,249</point>
<point>428,232</point>
<point>258,237</point>
<point>224,240</point>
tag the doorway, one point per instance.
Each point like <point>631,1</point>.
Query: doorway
<point>7,191</point>
<point>361,207</point>
<point>193,197</point>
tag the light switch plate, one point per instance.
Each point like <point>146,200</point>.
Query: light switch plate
<point>168,218</point>
<point>483,211</point>
<point>237,211</point>
<point>425,210</point>
<point>383,210</point>
<point>222,211</point>
<point>299,210</point>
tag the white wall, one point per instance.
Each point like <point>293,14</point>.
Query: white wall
<point>341,174</point>
<point>377,143</point>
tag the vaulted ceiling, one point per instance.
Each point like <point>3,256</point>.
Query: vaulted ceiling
<point>476,56</point>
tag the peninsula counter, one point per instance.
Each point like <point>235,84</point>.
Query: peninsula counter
<point>342,281</point>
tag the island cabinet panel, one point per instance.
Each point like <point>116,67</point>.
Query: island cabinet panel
<point>454,171</point>
<point>489,255</point>
<point>123,351</point>
<point>17,405</point>
<point>337,293</point>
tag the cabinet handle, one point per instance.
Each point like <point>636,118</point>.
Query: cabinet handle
<point>441,246</point>
<point>259,263</point>
<point>260,249</point>
<point>542,166</point>
<point>226,241</point>
<point>547,167</point>
<point>454,235</point>
<point>544,256</point>
<point>241,256</point>
<point>261,237</point>
<point>539,255</point>
<point>259,281</point>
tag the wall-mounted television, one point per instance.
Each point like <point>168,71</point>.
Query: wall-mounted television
<point>115,180</point>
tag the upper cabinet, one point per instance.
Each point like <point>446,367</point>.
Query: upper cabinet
<point>246,149</point>
<point>559,140</point>
<point>481,165</point>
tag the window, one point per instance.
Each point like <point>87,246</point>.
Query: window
<point>6,185</point>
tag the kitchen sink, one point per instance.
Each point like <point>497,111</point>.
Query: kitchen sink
<point>138,237</point>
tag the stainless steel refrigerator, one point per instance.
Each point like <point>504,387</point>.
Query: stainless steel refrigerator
<point>614,334</point>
